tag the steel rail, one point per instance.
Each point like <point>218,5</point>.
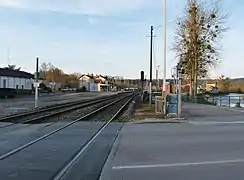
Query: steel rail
<point>61,174</point>
<point>22,147</point>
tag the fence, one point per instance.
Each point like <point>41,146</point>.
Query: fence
<point>226,101</point>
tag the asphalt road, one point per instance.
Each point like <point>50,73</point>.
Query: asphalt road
<point>22,104</point>
<point>205,147</point>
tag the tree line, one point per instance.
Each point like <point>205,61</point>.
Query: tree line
<point>50,73</point>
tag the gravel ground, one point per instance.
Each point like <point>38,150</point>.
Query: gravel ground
<point>11,106</point>
<point>108,113</point>
<point>129,113</point>
<point>75,114</point>
<point>82,112</point>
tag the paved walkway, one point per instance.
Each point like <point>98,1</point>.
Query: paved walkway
<point>209,112</point>
<point>189,151</point>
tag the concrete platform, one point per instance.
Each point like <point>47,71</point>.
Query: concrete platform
<point>208,146</point>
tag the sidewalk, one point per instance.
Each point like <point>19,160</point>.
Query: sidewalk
<point>156,151</point>
<point>193,111</point>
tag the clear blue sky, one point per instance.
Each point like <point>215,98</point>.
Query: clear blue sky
<point>103,36</point>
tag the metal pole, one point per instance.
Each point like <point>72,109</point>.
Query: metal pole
<point>165,56</point>
<point>157,77</point>
<point>36,83</point>
<point>179,96</point>
<point>177,79</point>
<point>151,58</point>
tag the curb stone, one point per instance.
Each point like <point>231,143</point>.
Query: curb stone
<point>148,121</point>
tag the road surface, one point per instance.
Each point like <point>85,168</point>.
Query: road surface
<point>209,145</point>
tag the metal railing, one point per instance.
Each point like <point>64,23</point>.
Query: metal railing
<point>224,101</point>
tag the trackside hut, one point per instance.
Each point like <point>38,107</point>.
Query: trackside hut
<point>15,81</point>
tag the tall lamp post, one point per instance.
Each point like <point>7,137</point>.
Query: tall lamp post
<point>165,56</point>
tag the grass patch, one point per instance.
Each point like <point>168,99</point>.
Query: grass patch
<point>146,111</point>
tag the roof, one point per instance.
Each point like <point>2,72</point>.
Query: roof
<point>86,75</point>
<point>15,73</point>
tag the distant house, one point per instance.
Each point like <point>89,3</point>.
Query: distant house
<point>94,82</point>
<point>103,83</point>
<point>88,82</point>
<point>14,82</point>
<point>87,78</point>
<point>15,79</point>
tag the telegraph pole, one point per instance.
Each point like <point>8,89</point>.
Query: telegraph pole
<point>151,59</point>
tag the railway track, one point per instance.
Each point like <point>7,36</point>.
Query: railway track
<point>66,171</point>
<point>41,115</point>
<point>125,100</point>
<point>61,151</point>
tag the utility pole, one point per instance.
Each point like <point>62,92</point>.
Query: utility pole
<point>151,59</point>
<point>165,57</point>
<point>36,83</point>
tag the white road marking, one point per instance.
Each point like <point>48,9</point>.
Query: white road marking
<point>177,164</point>
<point>215,122</point>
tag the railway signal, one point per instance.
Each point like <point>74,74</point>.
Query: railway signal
<point>142,76</point>
<point>142,79</point>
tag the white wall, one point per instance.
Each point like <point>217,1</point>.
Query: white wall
<point>93,87</point>
<point>12,82</point>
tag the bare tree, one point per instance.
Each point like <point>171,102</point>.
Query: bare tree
<point>197,39</point>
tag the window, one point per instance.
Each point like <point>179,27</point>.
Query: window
<point>4,83</point>
<point>22,86</point>
<point>17,86</point>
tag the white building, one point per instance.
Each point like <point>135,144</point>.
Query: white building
<point>94,83</point>
<point>14,79</point>
<point>89,83</point>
